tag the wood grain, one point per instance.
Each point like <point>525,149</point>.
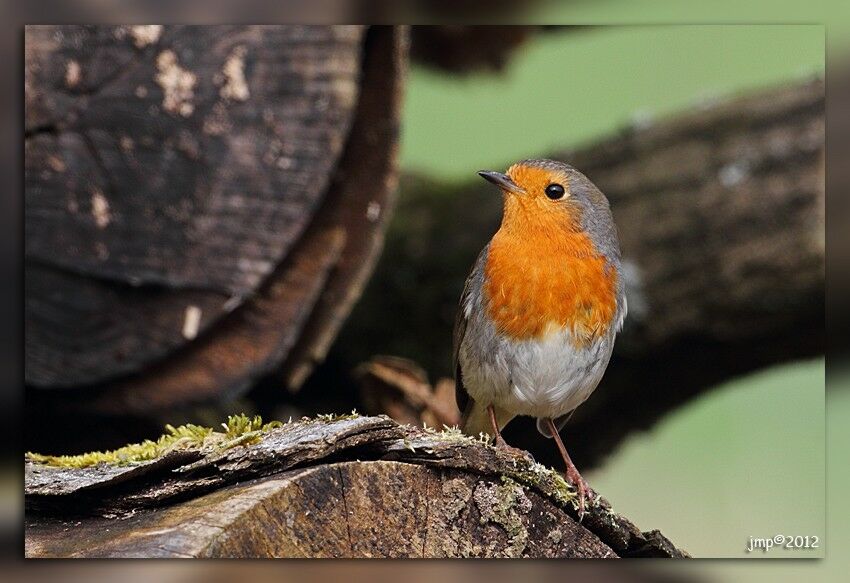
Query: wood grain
<point>188,160</point>
<point>268,248</point>
<point>355,487</point>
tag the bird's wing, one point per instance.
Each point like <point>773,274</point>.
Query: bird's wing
<point>464,401</point>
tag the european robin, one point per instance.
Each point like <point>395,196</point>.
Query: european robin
<point>541,307</point>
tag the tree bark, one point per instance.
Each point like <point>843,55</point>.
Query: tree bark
<point>351,487</point>
<point>721,220</point>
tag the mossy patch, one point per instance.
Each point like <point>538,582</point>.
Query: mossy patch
<point>238,430</point>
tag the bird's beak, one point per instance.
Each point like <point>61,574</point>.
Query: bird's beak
<point>503,181</point>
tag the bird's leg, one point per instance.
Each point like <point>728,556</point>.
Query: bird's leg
<point>491,411</point>
<point>500,442</point>
<point>584,491</point>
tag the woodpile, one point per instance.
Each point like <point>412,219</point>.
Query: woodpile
<point>203,204</point>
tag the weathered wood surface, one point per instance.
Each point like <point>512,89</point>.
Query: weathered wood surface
<point>253,231</point>
<point>184,157</point>
<point>721,220</point>
<point>124,117</point>
<point>352,487</point>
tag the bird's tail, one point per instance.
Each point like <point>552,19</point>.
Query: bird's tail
<point>476,420</point>
<point>543,427</point>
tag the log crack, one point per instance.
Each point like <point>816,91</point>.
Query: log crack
<point>345,511</point>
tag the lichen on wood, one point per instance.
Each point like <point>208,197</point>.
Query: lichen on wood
<point>337,485</point>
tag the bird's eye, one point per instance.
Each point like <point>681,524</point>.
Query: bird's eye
<point>555,191</point>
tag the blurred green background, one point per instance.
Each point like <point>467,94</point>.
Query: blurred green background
<point>748,458</point>
<point>565,88</point>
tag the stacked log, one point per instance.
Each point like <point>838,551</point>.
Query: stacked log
<point>203,204</point>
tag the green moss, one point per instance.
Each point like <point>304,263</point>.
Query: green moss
<point>240,425</point>
<point>239,430</point>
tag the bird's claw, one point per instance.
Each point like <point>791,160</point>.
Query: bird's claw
<point>503,445</point>
<point>584,492</point>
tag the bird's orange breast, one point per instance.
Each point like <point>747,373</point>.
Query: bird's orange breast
<point>541,277</point>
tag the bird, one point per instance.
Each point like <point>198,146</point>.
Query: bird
<point>541,307</point>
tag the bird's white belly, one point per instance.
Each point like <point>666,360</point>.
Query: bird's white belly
<point>539,378</point>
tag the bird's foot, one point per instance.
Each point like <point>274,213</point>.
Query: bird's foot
<point>584,491</point>
<point>503,445</point>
